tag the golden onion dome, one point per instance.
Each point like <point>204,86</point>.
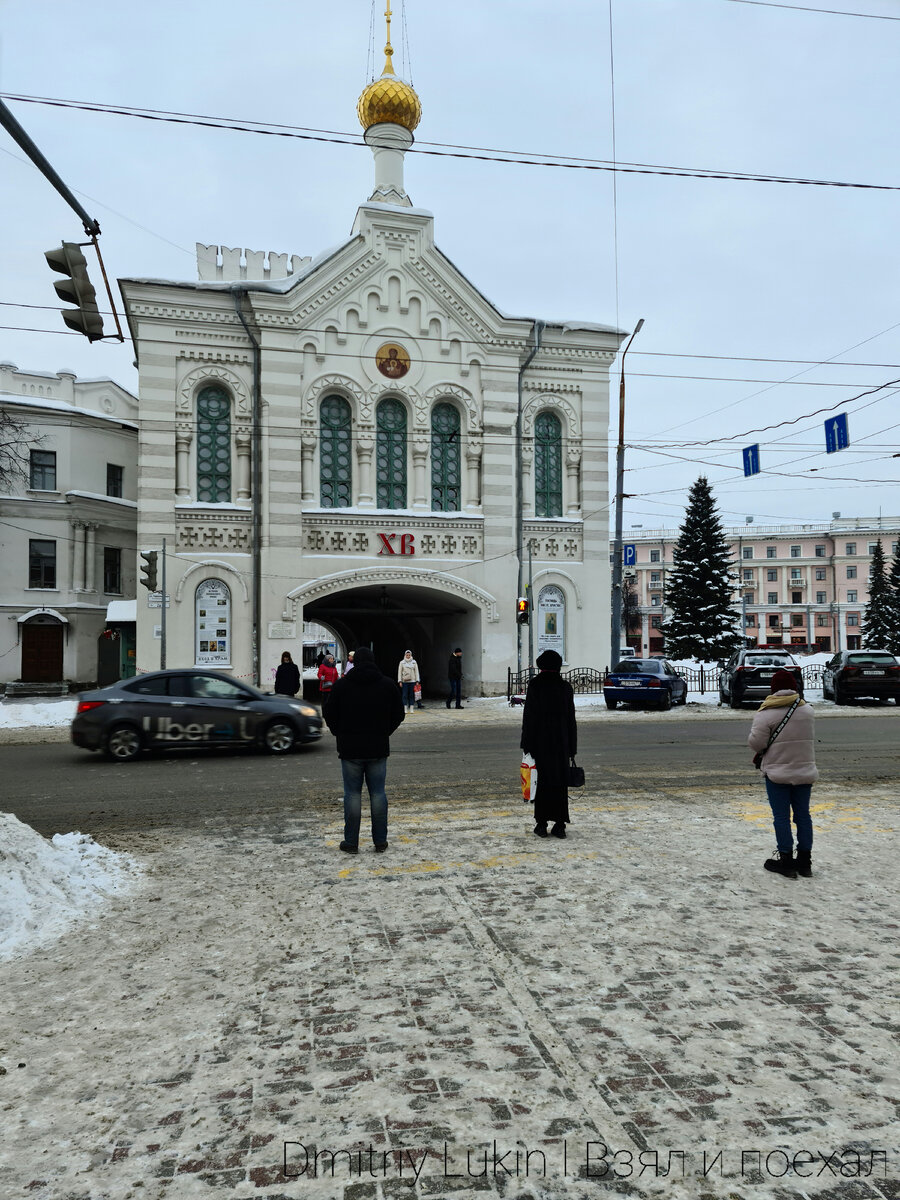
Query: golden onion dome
<point>389,100</point>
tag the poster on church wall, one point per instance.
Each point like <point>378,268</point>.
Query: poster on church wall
<point>213,624</point>
<point>551,620</point>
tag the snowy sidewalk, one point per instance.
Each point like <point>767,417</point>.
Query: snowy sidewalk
<point>644,984</point>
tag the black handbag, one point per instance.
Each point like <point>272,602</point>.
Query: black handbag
<point>576,774</point>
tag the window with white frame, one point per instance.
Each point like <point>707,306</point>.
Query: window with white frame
<point>820,551</point>
<point>851,572</point>
<point>747,552</point>
<point>772,576</point>
<point>655,576</point>
<point>820,572</point>
<point>796,573</point>
<point>771,551</point>
<point>656,599</point>
<point>820,597</point>
<point>852,618</point>
<point>772,598</point>
<point>748,574</point>
<point>655,556</point>
<point>850,548</point>
<point>851,596</point>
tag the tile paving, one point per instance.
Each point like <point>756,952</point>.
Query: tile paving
<point>471,1014</point>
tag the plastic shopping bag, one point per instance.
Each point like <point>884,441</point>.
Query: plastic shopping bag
<point>529,779</point>
<point>417,692</point>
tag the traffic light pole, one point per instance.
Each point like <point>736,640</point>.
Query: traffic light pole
<point>165,598</point>
<point>18,134</point>
<point>520,498</point>
<point>615,638</point>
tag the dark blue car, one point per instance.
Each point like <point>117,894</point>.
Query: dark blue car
<point>652,682</point>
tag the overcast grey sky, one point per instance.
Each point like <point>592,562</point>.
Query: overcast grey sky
<point>716,268</point>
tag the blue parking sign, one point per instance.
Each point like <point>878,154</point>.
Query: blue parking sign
<point>837,434</point>
<point>629,554</point>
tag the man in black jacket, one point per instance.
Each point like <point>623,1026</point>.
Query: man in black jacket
<point>454,677</point>
<point>362,712</point>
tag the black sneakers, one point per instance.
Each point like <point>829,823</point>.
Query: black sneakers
<point>558,830</point>
<point>348,849</point>
<point>380,847</point>
<point>540,830</point>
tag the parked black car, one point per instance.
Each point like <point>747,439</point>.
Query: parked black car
<point>748,675</point>
<point>189,709</point>
<point>854,673</point>
<point>644,681</point>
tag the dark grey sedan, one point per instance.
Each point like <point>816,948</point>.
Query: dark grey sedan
<point>189,709</point>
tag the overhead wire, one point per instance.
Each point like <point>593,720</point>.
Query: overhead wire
<point>445,150</point>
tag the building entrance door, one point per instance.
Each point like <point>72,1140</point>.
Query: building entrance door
<point>42,652</point>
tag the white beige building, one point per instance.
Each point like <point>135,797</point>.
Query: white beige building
<point>67,534</point>
<point>804,586</point>
<point>363,440</point>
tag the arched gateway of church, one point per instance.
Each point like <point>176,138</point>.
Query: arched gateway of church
<point>425,612</point>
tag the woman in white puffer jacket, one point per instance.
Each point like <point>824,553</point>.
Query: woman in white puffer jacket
<point>789,767</point>
<point>408,677</point>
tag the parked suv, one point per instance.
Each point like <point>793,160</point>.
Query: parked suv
<point>854,673</point>
<point>748,675</point>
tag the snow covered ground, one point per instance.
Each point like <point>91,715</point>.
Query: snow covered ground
<point>47,886</point>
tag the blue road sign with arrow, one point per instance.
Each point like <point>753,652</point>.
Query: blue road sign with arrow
<point>837,435</point>
<point>751,459</point>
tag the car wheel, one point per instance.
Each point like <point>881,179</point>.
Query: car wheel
<point>733,702</point>
<point>123,743</point>
<point>839,697</point>
<point>683,699</point>
<point>279,737</point>
<point>666,703</point>
<point>610,703</point>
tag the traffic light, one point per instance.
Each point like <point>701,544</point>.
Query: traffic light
<point>148,569</point>
<point>77,289</point>
<point>522,610</point>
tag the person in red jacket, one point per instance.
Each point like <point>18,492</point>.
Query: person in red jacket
<point>328,676</point>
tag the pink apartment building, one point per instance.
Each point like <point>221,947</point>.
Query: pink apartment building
<point>804,586</point>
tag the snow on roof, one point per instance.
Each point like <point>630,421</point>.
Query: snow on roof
<point>62,406</point>
<point>121,610</point>
<point>46,886</point>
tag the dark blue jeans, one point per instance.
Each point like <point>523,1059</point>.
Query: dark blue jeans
<point>374,772</point>
<point>783,799</point>
<point>409,695</point>
<point>455,690</point>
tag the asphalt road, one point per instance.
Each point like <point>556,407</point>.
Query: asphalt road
<point>57,788</point>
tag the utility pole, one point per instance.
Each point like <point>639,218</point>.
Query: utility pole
<point>530,594</point>
<point>615,640</point>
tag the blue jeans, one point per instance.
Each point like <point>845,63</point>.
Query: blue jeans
<point>409,695</point>
<point>455,690</point>
<point>783,797</point>
<point>374,772</point>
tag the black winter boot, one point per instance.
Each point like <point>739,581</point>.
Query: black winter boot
<point>782,864</point>
<point>803,863</point>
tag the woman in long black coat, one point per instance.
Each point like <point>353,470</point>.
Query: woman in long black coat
<point>550,736</point>
<point>287,677</point>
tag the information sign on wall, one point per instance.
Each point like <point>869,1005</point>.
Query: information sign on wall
<point>213,624</point>
<point>551,620</point>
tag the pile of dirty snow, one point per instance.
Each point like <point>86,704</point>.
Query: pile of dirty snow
<point>45,886</point>
<point>43,714</point>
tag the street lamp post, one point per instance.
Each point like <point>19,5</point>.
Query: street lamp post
<point>616,627</point>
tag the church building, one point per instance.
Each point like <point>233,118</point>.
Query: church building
<point>363,440</point>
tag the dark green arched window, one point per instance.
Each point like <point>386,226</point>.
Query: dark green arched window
<point>390,454</point>
<point>547,466</point>
<point>214,446</point>
<point>445,472</point>
<point>335,474</point>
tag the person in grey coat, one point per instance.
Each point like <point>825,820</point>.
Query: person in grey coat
<point>789,766</point>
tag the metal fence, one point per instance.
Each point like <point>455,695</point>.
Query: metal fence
<point>588,681</point>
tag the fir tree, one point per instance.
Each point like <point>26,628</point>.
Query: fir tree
<point>893,607</point>
<point>701,620</point>
<point>878,622</point>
